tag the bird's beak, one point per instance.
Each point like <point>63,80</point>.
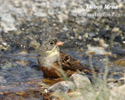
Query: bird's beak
<point>59,43</point>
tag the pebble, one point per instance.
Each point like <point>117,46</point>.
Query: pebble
<point>115,29</point>
<point>2,80</point>
<point>80,81</point>
<point>40,14</point>
<point>76,81</point>
<point>7,22</point>
<point>63,86</point>
<point>34,44</point>
<point>62,17</point>
<point>119,91</point>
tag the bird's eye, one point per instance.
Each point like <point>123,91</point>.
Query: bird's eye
<point>51,43</point>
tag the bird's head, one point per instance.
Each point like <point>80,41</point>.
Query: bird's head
<point>50,47</point>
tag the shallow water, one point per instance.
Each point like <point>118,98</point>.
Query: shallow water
<point>20,73</point>
<point>21,68</point>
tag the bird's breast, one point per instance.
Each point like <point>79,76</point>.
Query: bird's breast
<point>49,60</point>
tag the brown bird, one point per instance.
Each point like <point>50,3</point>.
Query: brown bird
<point>54,63</point>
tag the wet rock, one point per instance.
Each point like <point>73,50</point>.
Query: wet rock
<point>23,53</point>
<point>23,90</point>
<point>23,62</point>
<point>63,86</point>
<point>2,80</point>
<point>102,32</point>
<point>7,65</point>
<point>112,25</point>
<point>118,50</point>
<point>3,48</point>
<point>102,43</point>
<point>118,39</point>
<point>120,62</point>
<point>80,81</point>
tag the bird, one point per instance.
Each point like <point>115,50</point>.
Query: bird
<point>56,64</point>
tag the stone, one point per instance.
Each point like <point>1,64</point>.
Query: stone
<point>23,90</point>
<point>8,22</point>
<point>40,14</point>
<point>102,43</point>
<point>102,32</point>
<point>115,29</point>
<point>2,80</point>
<point>63,86</point>
<point>34,44</point>
<point>62,17</point>
<point>118,91</point>
<point>120,62</point>
<point>56,4</point>
<point>97,50</point>
<point>80,81</point>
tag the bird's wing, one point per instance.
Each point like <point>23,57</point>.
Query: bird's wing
<point>69,63</point>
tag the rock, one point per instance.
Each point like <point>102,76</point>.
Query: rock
<point>40,14</point>
<point>120,62</point>
<point>23,62</point>
<point>115,29</point>
<point>2,80</point>
<point>98,51</point>
<point>34,44</point>
<point>102,32</point>
<point>80,81</point>
<point>56,4</point>
<point>78,95</point>
<point>102,43</point>
<point>120,5</point>
<point>82,21</point>
<point>23,90</point>
<point>62,17</point>
<point>7,65</point>
<point>8,22</point>
<point>3,47</point>
<point>118,50</point>
<point>118,91</point>
<point>65,28</point>
<point>92,34</point>
<point>63,86</point>
<point>113,83</point>
<point>80,37</point>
